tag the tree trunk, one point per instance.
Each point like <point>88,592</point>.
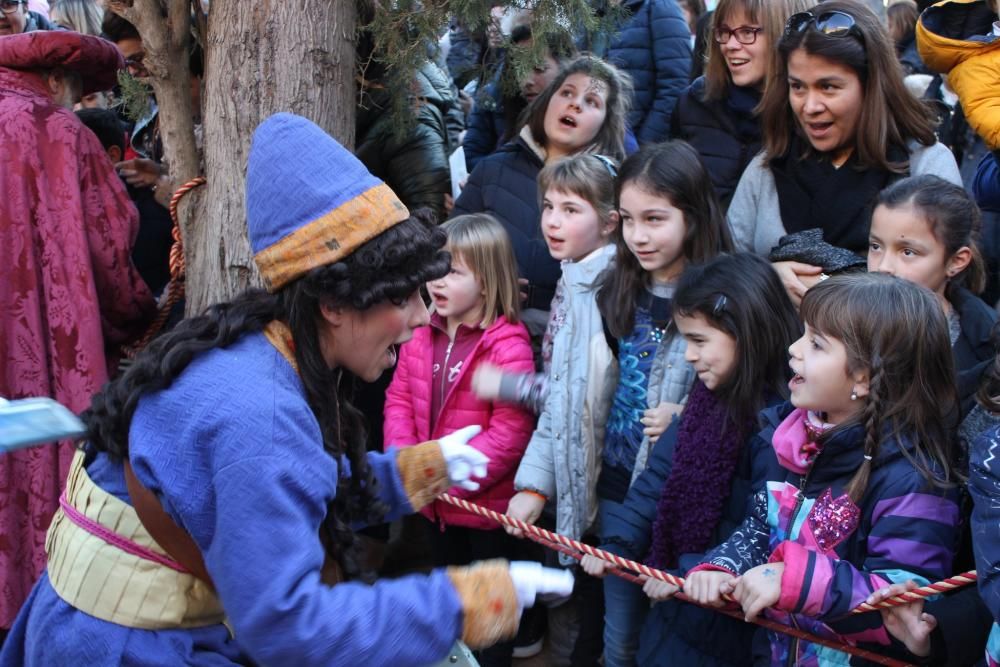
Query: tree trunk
<point>166,36</point>
<point>261,57</point>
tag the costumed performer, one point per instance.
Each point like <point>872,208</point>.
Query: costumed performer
<point>225,466</point>
<point>69,293</point>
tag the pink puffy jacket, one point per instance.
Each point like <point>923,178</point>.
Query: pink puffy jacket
<point>506,428</point>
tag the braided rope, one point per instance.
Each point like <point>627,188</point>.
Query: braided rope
<point>924,592</point>
<point>175,288</point>
<point>630,571</point>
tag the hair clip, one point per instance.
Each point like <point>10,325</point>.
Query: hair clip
<point>720,305</point>
<point>608,163</point>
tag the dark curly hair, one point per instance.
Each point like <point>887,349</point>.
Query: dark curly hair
<point>390,267</point>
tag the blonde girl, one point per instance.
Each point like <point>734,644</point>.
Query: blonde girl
<point>474,321</point>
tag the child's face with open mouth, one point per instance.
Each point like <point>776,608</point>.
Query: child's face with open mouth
<point>575,114</point>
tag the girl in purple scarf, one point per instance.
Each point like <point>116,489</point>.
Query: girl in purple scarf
<point>738,323</point>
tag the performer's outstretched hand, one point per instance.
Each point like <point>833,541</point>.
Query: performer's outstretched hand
<point>464,462</point>
<point>531,579</point>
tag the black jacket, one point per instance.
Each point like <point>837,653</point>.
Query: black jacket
<point>412,158</point>
<point>974,350</point>
<point>725,133</point>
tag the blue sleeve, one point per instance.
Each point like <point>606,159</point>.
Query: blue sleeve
<point>748,546</point>
<point>390,484</point>
<point>631,144</point>
<point>255,505</point>
<point>265,559</point>
<point>984,486</point>
<point>481,132</point>
<point>671,45</point>
<point>986,183</point>
<point>628,528</point>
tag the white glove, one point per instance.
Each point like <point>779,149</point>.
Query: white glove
<point>531,579</point>
<point>464,462</point>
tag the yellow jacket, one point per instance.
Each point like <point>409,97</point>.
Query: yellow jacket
<point>955,38</point>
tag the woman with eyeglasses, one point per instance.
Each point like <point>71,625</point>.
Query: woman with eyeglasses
<point>717,113</point>
<point>838,127</point>
<point>15,18</point>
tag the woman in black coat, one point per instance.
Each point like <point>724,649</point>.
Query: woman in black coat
<point>716,114</point>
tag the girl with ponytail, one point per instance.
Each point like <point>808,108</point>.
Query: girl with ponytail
<point>856,486</point>
<point>928,231</point>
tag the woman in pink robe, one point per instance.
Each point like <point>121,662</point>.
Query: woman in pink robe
<point>69,294</point>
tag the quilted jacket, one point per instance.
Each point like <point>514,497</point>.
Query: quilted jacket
<point>955,37</point>
<point>412,159</point>
<point>654,47</point>
<point>725,134</point>
<point>563,458</point>
<point>506,428</point>
<point>836,553</point>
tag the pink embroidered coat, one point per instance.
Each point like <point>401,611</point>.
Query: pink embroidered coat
<point>69,295</point>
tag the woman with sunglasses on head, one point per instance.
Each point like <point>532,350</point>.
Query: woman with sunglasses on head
<point>838,127</point>
<point>717,114</point>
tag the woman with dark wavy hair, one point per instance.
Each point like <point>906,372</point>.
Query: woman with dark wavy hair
<point>208,518</point>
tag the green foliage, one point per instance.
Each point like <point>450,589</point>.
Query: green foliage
<point>136,96</point>
<point>405,33</point>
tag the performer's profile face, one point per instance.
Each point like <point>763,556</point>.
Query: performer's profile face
<point>366,342</point>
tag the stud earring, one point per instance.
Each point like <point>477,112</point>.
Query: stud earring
<point>854,394</point>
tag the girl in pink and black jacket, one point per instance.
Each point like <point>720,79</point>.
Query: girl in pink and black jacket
<point>854,484</point>
<point>475,320</point>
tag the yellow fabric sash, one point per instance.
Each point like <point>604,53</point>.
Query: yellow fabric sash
<point>111,584</point>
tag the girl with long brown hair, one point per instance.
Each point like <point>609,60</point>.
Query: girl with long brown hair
<point>856,488</point>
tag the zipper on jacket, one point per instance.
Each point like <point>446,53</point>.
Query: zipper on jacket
<point>800,497</point>
<point>444,376</point>
<point>793,653</point>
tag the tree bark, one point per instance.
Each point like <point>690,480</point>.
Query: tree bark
<point>261,57</point>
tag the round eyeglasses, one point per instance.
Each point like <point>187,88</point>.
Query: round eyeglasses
<point>10,6</point>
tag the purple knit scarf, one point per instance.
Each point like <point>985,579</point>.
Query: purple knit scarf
<point>705,456</point>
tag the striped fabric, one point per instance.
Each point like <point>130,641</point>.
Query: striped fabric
<point>836,554</point>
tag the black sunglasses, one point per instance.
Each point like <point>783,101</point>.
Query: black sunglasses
<point>832,23</point>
